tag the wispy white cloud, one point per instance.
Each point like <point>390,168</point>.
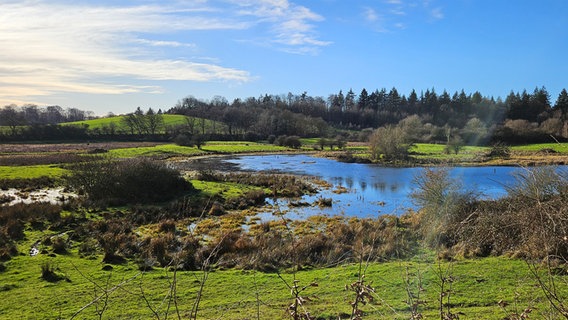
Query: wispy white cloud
<point>437,13</point>
<point>50,48</point>
<point>165,43</point>
<point>54,46</point>
<point>370,14</point>
<point>391,15</point>
<point>291,26</point>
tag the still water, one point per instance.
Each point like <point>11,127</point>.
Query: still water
<point>372,189</point>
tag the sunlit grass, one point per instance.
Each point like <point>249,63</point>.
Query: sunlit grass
<point>558,147</point>
<point>240,147</point>
<point>478,286</point>
<point>160,150</point>
<point>225,189</point>
<point>170,120</point>
<point>30,172</point>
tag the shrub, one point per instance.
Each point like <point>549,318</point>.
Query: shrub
<point>390,142</point>
<point>167,226</point>
<point>88,248</point>
<point>116,239</point>
<point>130,181</point>
<point>499,150</point>
<point>59,244</point>
<point>288,141</point>
<point>443,205</point>
<point>161,249</point>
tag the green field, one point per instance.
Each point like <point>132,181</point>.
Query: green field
<point>240,147</point>
<point>478,285</point>
<point>118,121</point>
<point>558,147</point>
<point>30,172</point>
<point>170,120</point>
<point>159,150</point>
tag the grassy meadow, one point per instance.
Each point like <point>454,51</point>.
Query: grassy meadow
<point>76,282</point>
<point>478,287</point>
<point>169,120</point>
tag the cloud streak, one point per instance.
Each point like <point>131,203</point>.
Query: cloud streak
<point>292,27</point>
<point>51,47</point>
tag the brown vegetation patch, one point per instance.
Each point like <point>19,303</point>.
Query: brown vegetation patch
<point>69,147</point>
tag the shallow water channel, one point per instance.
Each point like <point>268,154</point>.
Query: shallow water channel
<point>372,190</point>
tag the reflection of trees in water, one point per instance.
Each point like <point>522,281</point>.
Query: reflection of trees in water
<point>338,180</point>
<point>380,186</point>
<point>363,185</point>
<point>349,182</point>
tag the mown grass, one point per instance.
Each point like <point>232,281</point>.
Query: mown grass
<point>479,284</point>
<point>30,172</point>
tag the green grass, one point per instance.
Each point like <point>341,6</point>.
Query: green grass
<point>210,147</point>
<point>160,150</point>
<point>558,147</point>
<point>170,120</point>
<point>436,151</point>
<point>30,172</point>
<point>99,123</point>
<point>225,189</point>
<point>240,147</point>
<point>232,294</point>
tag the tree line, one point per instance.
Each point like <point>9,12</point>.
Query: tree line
<point>477,119</point>
<point>429,116</point>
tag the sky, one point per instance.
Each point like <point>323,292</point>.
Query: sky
<point>116,55</point>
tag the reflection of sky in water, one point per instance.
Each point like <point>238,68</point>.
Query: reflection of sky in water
<point>373,189</point>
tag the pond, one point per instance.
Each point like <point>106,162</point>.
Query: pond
<point>372,190</point>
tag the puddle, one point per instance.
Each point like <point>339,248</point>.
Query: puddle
<point>50,195</point>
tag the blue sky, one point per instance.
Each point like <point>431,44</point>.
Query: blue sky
<point>113,56</point>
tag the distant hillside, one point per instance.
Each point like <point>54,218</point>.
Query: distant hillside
<point>170,120</point>
<point>118,121</point>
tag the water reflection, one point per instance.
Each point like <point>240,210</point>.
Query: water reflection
<point>373,190</point>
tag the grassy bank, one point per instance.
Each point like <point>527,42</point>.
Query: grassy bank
<point>477,288</point>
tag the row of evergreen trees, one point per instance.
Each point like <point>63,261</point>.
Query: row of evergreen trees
<point>279,114</point>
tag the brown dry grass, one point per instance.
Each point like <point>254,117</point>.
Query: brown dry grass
<point>14,148</point>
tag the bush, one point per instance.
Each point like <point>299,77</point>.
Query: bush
<point>59,244</point>
<point>443,204</point>
<point>130,181</point>
<point>288,141</point>
<point>390,142</point>
<point>499,150</point>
